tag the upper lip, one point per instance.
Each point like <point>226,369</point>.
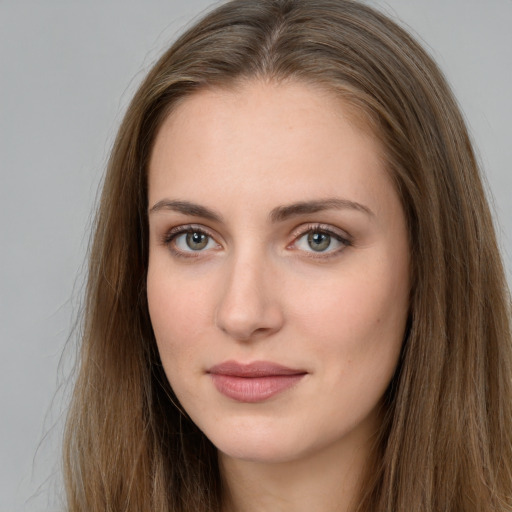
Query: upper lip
<point>254,369</point>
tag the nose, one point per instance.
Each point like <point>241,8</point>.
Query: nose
<point>249,306</point>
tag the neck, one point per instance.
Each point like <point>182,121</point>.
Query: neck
<point>326,481</point>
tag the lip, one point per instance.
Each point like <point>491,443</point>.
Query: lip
<point>253,382</point>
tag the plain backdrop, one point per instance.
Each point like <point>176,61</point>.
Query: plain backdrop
<point>67,71</point>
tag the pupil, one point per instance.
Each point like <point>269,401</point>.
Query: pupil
<point>319,241</point>
<point>197,241</point>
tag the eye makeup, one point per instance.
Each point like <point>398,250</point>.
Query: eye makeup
<point>314,240</point>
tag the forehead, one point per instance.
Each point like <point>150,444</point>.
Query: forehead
<point>259,96</point>
<point>263,134</point>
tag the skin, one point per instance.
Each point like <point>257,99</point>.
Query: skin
<point>258,291</point>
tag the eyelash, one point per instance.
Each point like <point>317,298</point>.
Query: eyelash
<point>324,229</point>
<point>169,238</point>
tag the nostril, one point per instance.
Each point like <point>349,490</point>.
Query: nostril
<point>249,304</point>
<point>243,322</point>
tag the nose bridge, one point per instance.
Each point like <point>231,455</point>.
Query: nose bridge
<point>249,305</point>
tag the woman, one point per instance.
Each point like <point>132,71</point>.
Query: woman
<point>295,297</point>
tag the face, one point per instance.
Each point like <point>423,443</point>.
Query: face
<point>278,277</point>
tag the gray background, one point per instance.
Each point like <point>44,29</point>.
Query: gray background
<point>68,69</point>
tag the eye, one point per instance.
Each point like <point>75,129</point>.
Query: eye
<point>193,241</point>
<point>321,240</point>
<point>186,240</point>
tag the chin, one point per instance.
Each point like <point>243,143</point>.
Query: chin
<point>257,445</point>
<point>260,453</point>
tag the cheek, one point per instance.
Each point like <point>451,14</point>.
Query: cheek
<point>358,335</point>
<point>175,314</point>
<point>178,316</point>
<point>351,308</point>
<point>357,322</point>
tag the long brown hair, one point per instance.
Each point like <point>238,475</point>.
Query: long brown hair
<point>446,438</point>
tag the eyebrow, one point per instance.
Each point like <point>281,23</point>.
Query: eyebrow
<point>282,213</point>
<point>278,214</point>
<point>187,208</point>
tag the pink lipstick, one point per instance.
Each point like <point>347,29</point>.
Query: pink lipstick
<point>253,382</point>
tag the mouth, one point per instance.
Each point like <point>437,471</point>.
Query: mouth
<point>253,382</point>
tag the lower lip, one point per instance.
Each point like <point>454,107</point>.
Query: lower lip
<point>253,389</point>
